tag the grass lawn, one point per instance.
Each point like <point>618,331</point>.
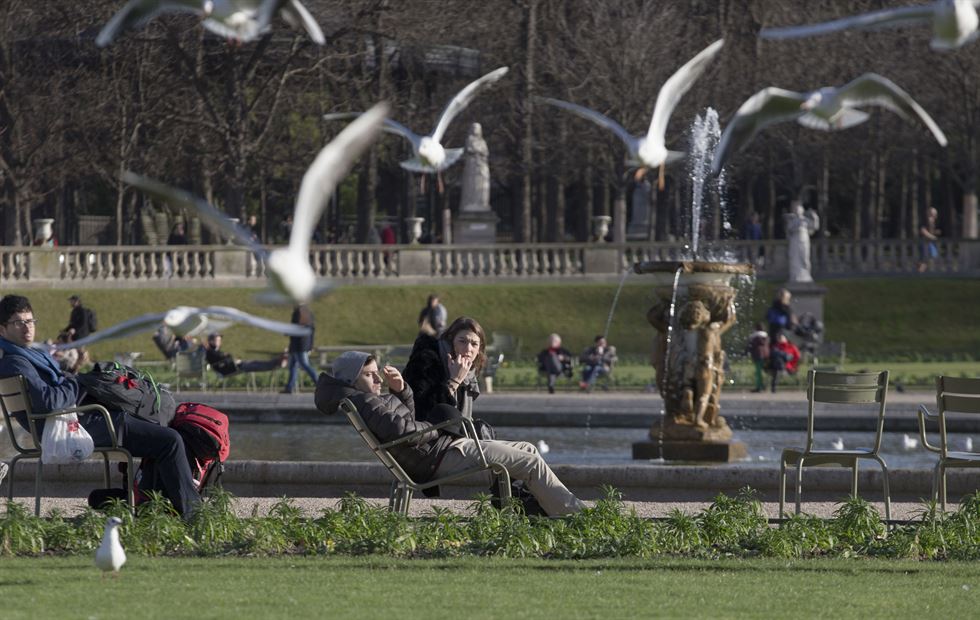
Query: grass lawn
<point>373,587</point>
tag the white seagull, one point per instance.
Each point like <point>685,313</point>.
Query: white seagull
<point>186,321</point>
<point>909,442</point>
<point>837,444</point>
<point>110,555</point>
<point>543,447</point>
<point>954,23</point>
<point>650,151</point>
<point>237,20</point>
<point>827,108</point>
<point>291,277</point>
<point>430,157</point>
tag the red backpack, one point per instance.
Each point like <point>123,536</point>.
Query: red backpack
<point>207,443</point>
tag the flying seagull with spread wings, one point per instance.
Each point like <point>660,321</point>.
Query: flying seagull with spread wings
<point>827,109</point>
<point>650,151</point>
<point>430,157</point>
<point>236,20</point>
<point>954,23</point>
<point>186,321</point>
<point>291,277</point>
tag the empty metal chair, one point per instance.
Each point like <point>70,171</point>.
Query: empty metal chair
<point>953,395</point>
<point>842,388</point>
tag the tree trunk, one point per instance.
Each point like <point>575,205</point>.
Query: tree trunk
<point>529,32</point>
<point>858,204</point>
<point>914,208</point>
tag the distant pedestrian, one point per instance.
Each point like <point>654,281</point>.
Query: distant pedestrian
<point>299,349</point>
<point>783,357</point>
<point>81,321</point>
<point>554,361</point>
<point>928,236</point>
<point>758,347</point>
<point>780,314</point>
<point>432,318</point>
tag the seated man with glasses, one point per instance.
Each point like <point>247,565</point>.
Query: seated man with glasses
<point>49,389</point>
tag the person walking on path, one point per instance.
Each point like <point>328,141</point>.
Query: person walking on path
<point>758,347</point>
<point>780,314</point>
<point>299,349</point>
<point>928,236</point>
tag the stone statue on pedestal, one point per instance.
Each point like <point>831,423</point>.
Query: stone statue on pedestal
<point>476,222</point>
<point>800,224</point>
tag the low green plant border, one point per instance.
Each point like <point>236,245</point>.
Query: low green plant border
<point>731,526</point>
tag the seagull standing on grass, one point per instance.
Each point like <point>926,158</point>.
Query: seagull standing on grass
<point>291,278</point>
<point>430,157</point>
<point>239,21</point>
<point>954,23</point>
<point>650,151</point>
<point>827,109</point>
<point>186,321</point>
<point>110,555</point>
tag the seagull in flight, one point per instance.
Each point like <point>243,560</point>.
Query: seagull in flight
<point>827,109</point>
<point>954,23</point>
<point>110,555</point>
<point>430,157</point>
<point>291,277</point>
<point>240,21</point>
<point>650,151</point>
<point>186,321</point>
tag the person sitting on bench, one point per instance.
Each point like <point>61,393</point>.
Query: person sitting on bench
<point>442,452</point>
<point>226,364</point>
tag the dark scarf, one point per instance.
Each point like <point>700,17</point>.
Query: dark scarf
<point>41,360</point>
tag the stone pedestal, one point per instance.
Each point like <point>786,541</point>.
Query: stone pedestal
<point>601,260</point>
<point>231,263</point>
<point>475,228</point>
<point>807,298</point>
<point>714,452</point>
<point>415,262</point>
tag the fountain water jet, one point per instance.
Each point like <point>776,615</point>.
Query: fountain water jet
<point>695,306</point>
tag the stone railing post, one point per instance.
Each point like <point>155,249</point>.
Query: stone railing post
<point>602,260</point>
<point>414,262</point>
<point>230,262</point>
<point>45,264</point>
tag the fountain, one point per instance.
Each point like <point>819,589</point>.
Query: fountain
<point>695,306</point>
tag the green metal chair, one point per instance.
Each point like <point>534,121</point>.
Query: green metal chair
<point>403,486</point>
<point>953,395</point>
<point>14,399</point>
<point>842,388</point>
<point>191,369</point>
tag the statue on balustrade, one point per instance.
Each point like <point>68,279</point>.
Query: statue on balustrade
<point>800,224</point>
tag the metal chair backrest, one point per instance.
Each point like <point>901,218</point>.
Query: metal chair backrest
<point>13,399</point>
<point>383,455</point>
<point>955,395</point>
<point>847,388</point>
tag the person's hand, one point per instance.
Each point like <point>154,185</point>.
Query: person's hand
<point>459,367</point>
<point>396,384</point>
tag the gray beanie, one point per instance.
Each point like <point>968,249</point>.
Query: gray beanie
<point>348,365</point>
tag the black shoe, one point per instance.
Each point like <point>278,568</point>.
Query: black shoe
<point>756,390</point>
<point>551,389</point>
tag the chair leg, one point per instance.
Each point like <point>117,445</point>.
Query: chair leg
<point>407,498</point>
<point>888,497</point>
<point>799,484</point>
<point>37,488</point>
<point>942,486</point>
<point>935,483</point>
<point>105,470</point>
<point>782,488</point>
<point>10,478</point>
<point>854,477</point>
<point>130,492</point>
<point>393,495</point>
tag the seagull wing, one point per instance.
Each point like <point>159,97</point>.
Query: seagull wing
<point>134,325</point>
<point>767,107</point>
<point>297,16</point>
<point>463,99</point>
<point>873,89</point>
<point>239,316</point>
<point>330,166</point>
<point>190,202</point>
<point>137,13</point>
<point>896,17</point>
<point>390,126</point>
<point>631,141</point>
<point>675,87</point>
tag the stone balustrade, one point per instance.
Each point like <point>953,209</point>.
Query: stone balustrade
<point>224,265</point>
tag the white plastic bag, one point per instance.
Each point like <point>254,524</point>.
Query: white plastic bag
<point>65,440</point>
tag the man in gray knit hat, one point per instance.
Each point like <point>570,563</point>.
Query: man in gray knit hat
<point>442,452</point>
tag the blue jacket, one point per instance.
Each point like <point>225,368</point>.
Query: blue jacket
<point>44,395</point>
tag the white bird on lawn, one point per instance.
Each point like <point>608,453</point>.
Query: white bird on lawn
<point>186,321</point>
<point>837,444</point>
<point>543,447</point>
<point>430,157</point>
<point>110,555</point>
<point>827,109</point>
<point>954,23</point>
<point>910,443</point>
<point>650,151</point>
<point>291,277</point>
<point>237,20</point>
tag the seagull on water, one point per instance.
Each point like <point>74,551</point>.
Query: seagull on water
<point>827,109</point>
<point>837,444</point>
<point>110,555</point>
<point>954,23</point>
<point>909,442</point>
<point>186,321</point>
<point>430,157</point>
<point>291,278</point>
<point>650,151</point>
<point>237,20</point>
<point>543,447</point>
<point>967,445</point>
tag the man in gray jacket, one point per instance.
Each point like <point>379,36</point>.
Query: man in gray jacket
<point>439,453</point>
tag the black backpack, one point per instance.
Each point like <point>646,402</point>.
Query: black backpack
<point>122,388</point>
<point>91,321</point>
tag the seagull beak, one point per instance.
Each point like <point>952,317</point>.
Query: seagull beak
<point>660,177</point>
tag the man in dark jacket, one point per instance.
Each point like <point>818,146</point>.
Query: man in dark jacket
<point>50,390</point>
<point>80,323</point>
<point>435,454</point>
<point>225,363</point>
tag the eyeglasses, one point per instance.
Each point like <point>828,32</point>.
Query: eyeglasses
<point>22,323</point>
